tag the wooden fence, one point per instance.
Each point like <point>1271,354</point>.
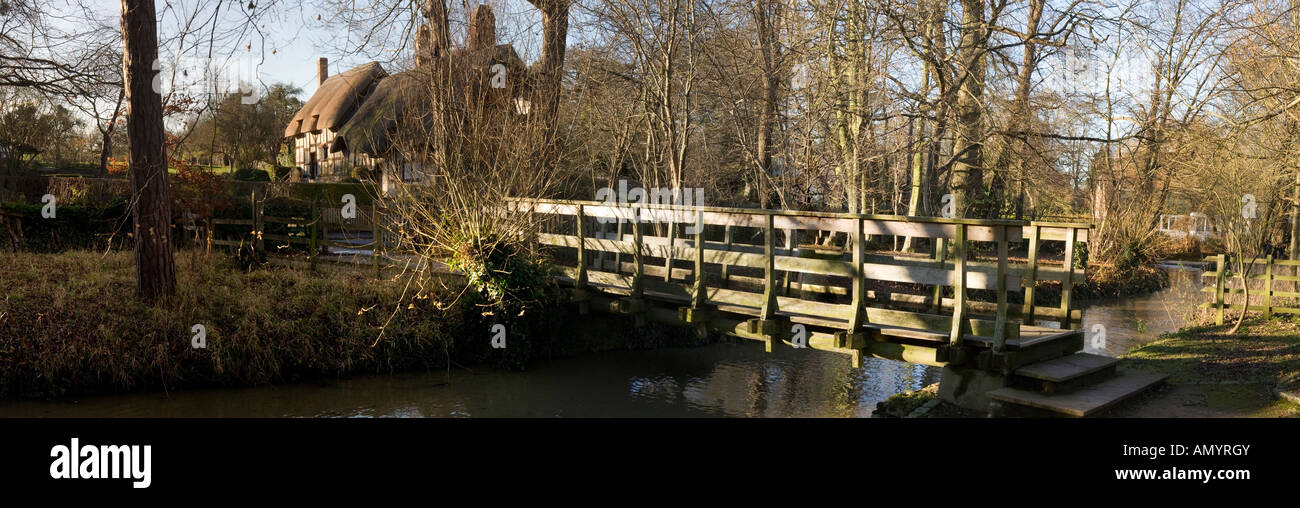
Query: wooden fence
<point>307,232</point>
<point>1273,271</point>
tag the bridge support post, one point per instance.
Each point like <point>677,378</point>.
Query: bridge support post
<point>941,256</point>
<point>1000,326</point>
<point>855,337</point>
<point>953,352</point>
<point>668,251</point>
<point>767,324</point>
<point>700,313</point>
<point>1031,278</point>
<point>789,251</point>
<point>634,304</point>
<point>728,237</point>
<point>580,294</point>
<point>1067,285</point>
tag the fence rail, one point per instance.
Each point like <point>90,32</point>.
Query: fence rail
<point>1222,274</point>
<point>312,228</point>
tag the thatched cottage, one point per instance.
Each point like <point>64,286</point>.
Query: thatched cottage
<point>354,125</point>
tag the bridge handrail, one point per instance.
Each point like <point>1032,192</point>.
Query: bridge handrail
<point>818,214</point>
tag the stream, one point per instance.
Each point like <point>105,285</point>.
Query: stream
<point>729,379</point>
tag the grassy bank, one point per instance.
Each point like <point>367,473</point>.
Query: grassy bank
<point>1265,350</point>
<point>70,323</point>
<point>1211,374</point>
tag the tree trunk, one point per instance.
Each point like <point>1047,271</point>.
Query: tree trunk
<point>156,270</point>
<point>968,167</point>
<point>555,33</point>
<point>1024,81</point>
<point>763,14</point>
<point>106,144</point>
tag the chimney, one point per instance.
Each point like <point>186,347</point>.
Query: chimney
<point>322,70</point>
<point>482,28</point>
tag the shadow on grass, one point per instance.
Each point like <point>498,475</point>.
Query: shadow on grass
<point>1265,350</point>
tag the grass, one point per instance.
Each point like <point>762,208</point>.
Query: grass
<point>70,323</point>
<point>900,405</point>
<point>1265,350</point>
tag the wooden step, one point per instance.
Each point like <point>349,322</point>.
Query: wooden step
<point>1066,373</point>
<point>1086,401</point>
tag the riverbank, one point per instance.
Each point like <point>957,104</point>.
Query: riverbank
<point>70,324</point>
<point>1211,374</point>
<point>1215,374</point>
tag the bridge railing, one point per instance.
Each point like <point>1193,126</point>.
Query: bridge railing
<point>820,268</point>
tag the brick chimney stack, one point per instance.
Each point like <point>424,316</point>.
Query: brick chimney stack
<point>322,70</point>
<point>482,28</point>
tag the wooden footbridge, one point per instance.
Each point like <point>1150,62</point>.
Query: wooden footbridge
<point>834,282</point>
<point>827,281</point>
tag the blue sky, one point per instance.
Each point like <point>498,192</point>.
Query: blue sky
<point>290,35</point>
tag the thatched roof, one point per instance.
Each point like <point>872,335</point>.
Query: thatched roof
<point>335,100</point>
<point>396,102</point>
<point>370,128</point>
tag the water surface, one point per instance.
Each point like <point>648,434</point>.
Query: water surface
<point>730,379</point>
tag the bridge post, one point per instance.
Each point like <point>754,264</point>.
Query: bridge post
<point>940,255</point>
<point>1000,325</point>
<point>1067,285</point>
<point>953,352</point>
<point>767,323</point>
<point>580,294</point>
<point>769,308</point>
<point>728,237</point>
<point>668,251</point>
<point>699,313</point>
<point>618,256</point>
<point>789,251</point>
<point>638,265</point>
<point>999,354</point>
<point>1027,314</point>
<point>581,283</point>
<point>634,304</point>
<point>854,337</point>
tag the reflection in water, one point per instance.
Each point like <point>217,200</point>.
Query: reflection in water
<point>733,379</point>
<point>1132,321</point>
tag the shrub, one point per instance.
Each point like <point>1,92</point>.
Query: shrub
<point>73,226</point>
<point>509,285</point>
<point>251,175</point>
